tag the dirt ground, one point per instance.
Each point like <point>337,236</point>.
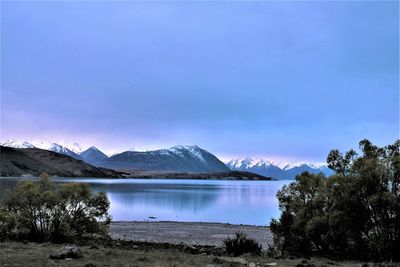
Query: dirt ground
<point>190,233</point>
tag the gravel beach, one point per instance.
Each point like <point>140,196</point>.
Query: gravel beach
<point>190,233</point>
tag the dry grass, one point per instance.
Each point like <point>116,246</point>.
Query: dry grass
<point>33,254</point>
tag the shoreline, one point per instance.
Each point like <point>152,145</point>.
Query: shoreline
<point>195,222</point>
<point>187,233</point>
<point>197,177</point>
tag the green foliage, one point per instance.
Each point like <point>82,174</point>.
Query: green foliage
<point>354,213</point>
<point>242,244</point>
<point>44,211</point>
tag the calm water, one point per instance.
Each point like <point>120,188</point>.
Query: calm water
<point>236,202</point>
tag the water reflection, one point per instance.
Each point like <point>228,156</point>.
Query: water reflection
<point>246,202</point>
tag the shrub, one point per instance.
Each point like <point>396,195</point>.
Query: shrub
<point>354,213</point>
<point>44,211</point>
<point>242,244</point>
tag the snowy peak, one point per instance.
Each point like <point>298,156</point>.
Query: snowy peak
<point>276,169</point>
<point>185,147</point>
<point>304,164</point>
<point>178,159</point>
<point>17,144</point>
<point>55,147</point>
<point>248,163</point>
<point>74,147</point>
<point>194,151</point>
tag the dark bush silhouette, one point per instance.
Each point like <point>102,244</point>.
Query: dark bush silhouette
<point>354,213</point>
<point>242,244</point>
<point>44,211</point>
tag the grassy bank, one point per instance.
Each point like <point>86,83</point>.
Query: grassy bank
<point>146,254</point>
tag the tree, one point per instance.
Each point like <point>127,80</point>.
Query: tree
<point>353,213</point>
<point>45,211</point>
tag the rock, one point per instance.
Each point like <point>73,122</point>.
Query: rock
<point>270,264</point>
<point>191,249</point>
<point>70,251</point>
<point>251,264</point>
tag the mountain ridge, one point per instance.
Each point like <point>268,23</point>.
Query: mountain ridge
<point>277,170</point>
<point>35,161</point>
<point>180,158</point>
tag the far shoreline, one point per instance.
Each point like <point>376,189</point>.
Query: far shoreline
<point>188,222</point>
<point>146,178</point>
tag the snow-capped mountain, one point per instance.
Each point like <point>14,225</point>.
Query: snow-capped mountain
<point>93,155</point>
<point>254,162</point>
<point>74,147</point>
<point>42,145</point>
<point>279,170</point>
<point>17,144</point>
<point>63,150</point>
<point>177,158</point>
<point>299,164</point>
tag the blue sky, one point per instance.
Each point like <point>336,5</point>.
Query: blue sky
<point>287,80</point>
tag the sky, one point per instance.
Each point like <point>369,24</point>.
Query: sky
<point>284,80</point>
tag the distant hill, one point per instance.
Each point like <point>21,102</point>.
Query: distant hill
<point>34,161</point>
<point>226,175</point>
<point>276,170</point>
<point>177,159</point>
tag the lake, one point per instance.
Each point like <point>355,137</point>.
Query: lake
<point>235,202</point>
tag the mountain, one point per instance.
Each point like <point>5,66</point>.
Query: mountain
<point>34,161</point>
<point>292,172</point>
<point>93,155</point>
<point>177,158</point>
<point>276,170</point>
<point>47,146</point>
<point>62,150</point>
<point>256,165</point>
<point>17,144</point>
